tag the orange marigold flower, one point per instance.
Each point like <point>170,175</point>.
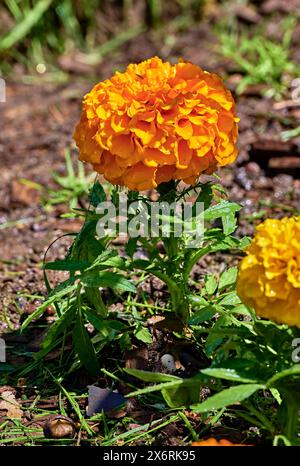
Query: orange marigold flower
<point>157,122</point>
<point>269,275</point>
<point>212,442</point>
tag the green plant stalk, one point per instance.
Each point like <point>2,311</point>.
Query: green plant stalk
<point>292,421</point>
<point>194,258</point>
<point>177,285</point>
<point>178,299</point>
<point>179,302</point>
<point>290,413</point>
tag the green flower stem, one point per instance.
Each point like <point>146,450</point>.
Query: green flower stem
<point>292,417</point>
<point>171,246</point>
<point>289,412</point>
<point>176,285</point>
<point>194,258</point>
<point>178,300</point>
<point>179,303</point>
<point>179,293</point>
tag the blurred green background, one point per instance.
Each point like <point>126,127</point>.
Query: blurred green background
<point>49,40</point>
<point>37,31</point>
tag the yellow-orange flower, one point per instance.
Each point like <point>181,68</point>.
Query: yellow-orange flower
<point>269,275</point>
<point>157,122</point>
<point>212,442</point>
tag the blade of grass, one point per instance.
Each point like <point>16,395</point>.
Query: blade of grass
<point>113,44</point>
<point>144,428</point>
<point>188,425</point>
<point>18,32</point>
<point>74,405</point>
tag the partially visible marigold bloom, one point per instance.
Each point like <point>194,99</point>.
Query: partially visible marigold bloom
<point>269,275</point>
<point>157,122</point>
<point>212,442</point>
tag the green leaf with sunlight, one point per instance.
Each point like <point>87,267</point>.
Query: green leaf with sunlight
<point>228,278</point>
<point>107,280</point>
<point>291,372</point>
<point>227,374</point>
<point>228,397</point>
<point>155,377</point>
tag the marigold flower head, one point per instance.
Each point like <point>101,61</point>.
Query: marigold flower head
<point>269,275</point>
<point>212,442</point>
<point>157,122</point>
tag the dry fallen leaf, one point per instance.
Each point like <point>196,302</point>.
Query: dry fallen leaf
<point>9,407</point>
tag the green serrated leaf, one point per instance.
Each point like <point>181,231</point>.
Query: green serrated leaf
<point>108,259</point>
<point>97,194</point>
<point>211,284</point>
<point>104,326</point>
<point>229,222</point>
<point>244,242</point>
<point>204,314</point>
<point>197,301</point>
<point>276,395</point>
<point>221,209</point>
<point>214,338</point>
<point>206,195</point>
<point>228,397</point>
<point>229,299</point>
<point>107,279</point>
<point>228,278</point>
<point>227,374</point>
<point>244,310</point>
<point>68,265</point>
<point>143,334</point>
<point>176,392</point>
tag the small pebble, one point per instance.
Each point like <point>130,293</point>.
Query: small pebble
<point>168,362</point>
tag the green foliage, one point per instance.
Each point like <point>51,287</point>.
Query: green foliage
<point>72,187</point>
<point>261,60</point>
<point>26,22</point>
<point>94,264</point>
<point>248,361</point>
<point>43,29</point>
<point>290,133</point>
<point>227,397</point>
<point>84,347</point>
